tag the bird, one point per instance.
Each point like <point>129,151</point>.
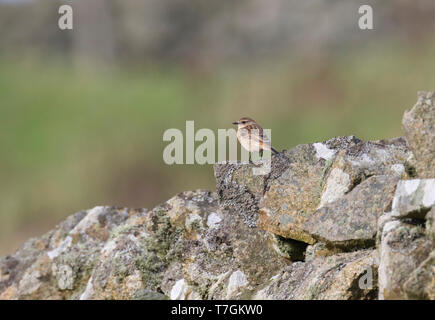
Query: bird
<point>252,137</point>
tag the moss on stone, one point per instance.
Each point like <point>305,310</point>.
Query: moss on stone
<point>120,270</point>
<point>122,229</point>
<point>150,266</point>
<point>315,290</point>
<point>159,249</point>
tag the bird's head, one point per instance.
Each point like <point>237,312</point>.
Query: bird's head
<point>244,122</point>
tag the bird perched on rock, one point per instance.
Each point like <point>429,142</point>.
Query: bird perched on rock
<point>252,137</point>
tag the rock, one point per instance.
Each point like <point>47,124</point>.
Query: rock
<point>337,185</point>
<point>180,290</point>
<point>205,244</point>
<point>413,198</point>
<point>319,249</point>
<point>295,194</point>
<point>362,160</point>
<point>402,249</point>
<point>421,283</point>
<point>236,283</point>
<point>59,264</point>
<point>430,224</point>
<point>221,248</point>
<point>419,127</point>
<point>240,189</point>
<point>351,221</point>
<point>117,274</point>
<point>179,250</point>
<point>340,276</point>
<point>320,174</point>
<point>382,221</point>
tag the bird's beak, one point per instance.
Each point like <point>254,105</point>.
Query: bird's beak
<point>235,123</point>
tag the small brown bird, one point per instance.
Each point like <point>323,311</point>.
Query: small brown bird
<point>252,137</point>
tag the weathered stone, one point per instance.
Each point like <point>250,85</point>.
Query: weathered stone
<point>292,196</point>
<point>236,283</point>
<point>223,247</point>
<point>362,160</point>
<point>351,221</point>
<point>290,200</point>
<point>321,173</point>
<point>240,189</point>
<point>382,221</point>
<point>430,224</point>
<point>59,264</point>
<point>421,283</point>
<point>117,275</point>
<point>413,198</point>
<point>402,249</point>
<point>319,249</point>
<point>339,276</point>
<point>419,126</point>
<point>181,249</point>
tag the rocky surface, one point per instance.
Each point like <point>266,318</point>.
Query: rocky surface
<point>322,177</point>
<point>356,213</point>
<point>185,248</point>
<point>339,219</point>
<point>414,198</point>
<point>403,248</point>
<point>335,277</point>
<point>419,126</point>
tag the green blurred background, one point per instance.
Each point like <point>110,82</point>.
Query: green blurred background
<point>82,112</point>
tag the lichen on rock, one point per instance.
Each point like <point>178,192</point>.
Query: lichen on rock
<point>403,248</point>
<point>351,221</point>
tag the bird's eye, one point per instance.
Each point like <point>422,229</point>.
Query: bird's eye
<point>243,122</point>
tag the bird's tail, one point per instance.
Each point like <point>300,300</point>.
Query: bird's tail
<point>274,150</point>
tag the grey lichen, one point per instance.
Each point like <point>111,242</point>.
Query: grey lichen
<point>159,250</point>
<point>122,229</point>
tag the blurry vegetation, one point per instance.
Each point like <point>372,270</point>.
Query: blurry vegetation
<point>82,120</point>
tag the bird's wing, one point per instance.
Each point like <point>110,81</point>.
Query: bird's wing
<point>257,135</point>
